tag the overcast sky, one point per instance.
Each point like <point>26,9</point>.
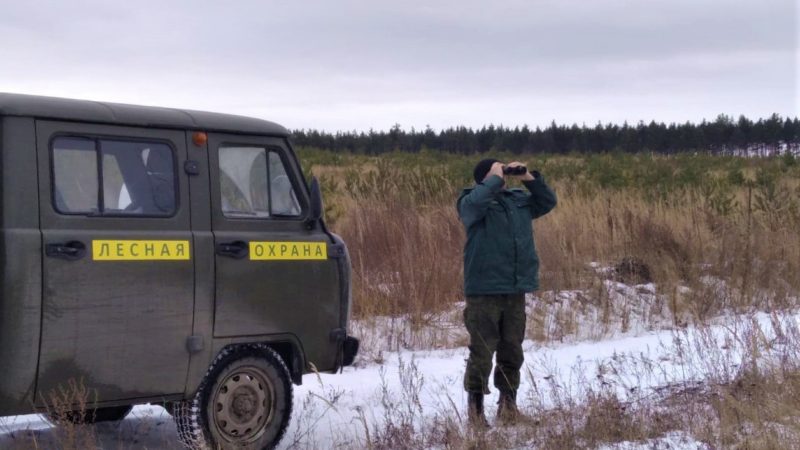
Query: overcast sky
<point>343,65</point>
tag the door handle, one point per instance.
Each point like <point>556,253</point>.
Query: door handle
<point>71,251</point>
<point>235,249</point>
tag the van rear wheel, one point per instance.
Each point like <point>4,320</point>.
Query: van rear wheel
<point>244,402</point>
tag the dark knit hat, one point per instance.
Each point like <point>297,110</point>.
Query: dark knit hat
<point>482,168</point>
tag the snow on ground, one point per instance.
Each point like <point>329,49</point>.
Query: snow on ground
<point>614,309</point>
<point>670,441</point>
<point>334,408</point>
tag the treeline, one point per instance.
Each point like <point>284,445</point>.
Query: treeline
<point>724,135</point>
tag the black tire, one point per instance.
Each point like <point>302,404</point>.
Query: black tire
<point>244,402</point>
<point>107,414</point>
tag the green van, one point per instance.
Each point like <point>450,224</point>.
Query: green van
<point>157,255</point>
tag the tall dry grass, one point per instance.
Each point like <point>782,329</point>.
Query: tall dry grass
<point>714,235</point>
<point>734,386</point>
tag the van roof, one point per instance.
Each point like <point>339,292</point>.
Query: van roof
<point>132,115</point>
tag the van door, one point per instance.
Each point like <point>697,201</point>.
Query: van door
<point>273,273</point>
<point>117,260</point>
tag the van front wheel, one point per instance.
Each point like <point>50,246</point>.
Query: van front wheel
<point>245,401</point>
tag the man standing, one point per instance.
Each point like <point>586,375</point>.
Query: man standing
<point>500,266</point>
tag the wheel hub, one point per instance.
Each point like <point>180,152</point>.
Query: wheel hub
<point>243,405</point>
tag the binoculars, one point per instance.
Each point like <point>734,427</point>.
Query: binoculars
<point>517,170</point>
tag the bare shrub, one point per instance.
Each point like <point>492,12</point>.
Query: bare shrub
<point>69,406</point>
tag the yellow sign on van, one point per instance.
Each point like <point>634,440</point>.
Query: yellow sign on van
<point>264,251</point>
<point>139,250</point>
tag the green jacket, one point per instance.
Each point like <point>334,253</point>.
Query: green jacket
<point>500,255</point>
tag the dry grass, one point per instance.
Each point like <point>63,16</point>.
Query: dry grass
<point>710,252</point>
<point>67,408</point>
<point>733,386</point>
<point>406,259</point>
<point>398,217</point>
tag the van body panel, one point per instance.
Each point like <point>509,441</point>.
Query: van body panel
<point>116,326</point>
<point>20,277</point>
<point>263,297</point>
<point>296,363</point>
<point>203,265</point>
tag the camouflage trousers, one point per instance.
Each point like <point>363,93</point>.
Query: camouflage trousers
<point>496,324</point>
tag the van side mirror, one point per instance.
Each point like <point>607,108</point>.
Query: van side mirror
<point>316,203</point>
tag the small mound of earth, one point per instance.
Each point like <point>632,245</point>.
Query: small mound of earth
<point>632,270</point>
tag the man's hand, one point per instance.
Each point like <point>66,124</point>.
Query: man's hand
<point>526,177</point>
<point>497,169</point>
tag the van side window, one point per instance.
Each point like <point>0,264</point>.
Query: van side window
<point>75,176</point>
<point>138,178</point>
<point>254,184</point>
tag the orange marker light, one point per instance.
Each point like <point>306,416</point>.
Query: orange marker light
<point>199,138</point>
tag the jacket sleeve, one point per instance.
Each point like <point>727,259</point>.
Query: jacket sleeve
<point>473,206</point>
<point>542,199</point>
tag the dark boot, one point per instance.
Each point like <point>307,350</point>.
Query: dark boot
<point>507,412</point>
<point>476,416</point>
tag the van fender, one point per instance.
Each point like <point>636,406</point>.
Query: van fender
<point>287,345</point>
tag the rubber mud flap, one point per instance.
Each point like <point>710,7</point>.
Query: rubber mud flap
<point>350,349</point>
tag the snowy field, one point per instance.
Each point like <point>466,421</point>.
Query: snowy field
<point>336,410</point>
